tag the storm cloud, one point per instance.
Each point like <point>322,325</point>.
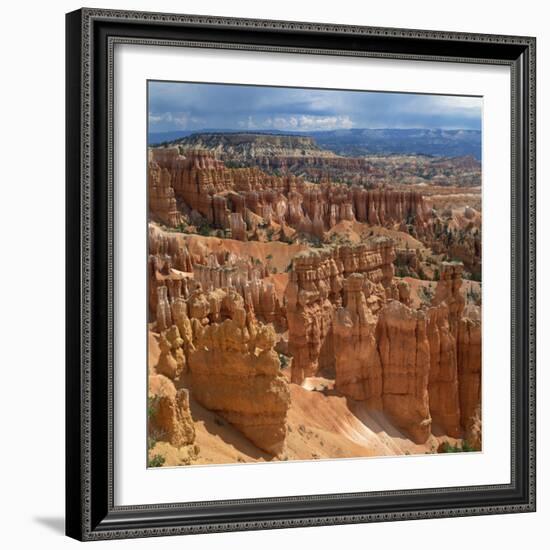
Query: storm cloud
<point>191,106</point>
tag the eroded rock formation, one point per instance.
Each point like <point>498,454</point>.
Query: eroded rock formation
<point>237,199</point>
<point>469,372</point>
<point>169,415</point>
<point>175,272</point>
<point>162,199</point>
<point>358,371</point>
<point>315,289</point>
<point>443,381</point>
<point>236,373</point>
<point>417,365</point>
<point>212,343</point>
<point>276,153</point>
<point>405,357</point>
<point>309,311</point>
<point>347,316</point>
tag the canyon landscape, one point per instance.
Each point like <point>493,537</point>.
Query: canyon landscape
<point>314,290</point>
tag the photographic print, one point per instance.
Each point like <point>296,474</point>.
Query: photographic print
<point>314,274</point>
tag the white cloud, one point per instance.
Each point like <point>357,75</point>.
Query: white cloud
<point>178,120</point>
<point>298,123</point>
<point>156,119</point>
<point>311,122</point>
<point>250,123</point>
<point>443,105</point>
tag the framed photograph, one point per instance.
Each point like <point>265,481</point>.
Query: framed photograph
<point>300,274</point>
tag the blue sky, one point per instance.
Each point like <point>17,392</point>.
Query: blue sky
<point>187,106</point>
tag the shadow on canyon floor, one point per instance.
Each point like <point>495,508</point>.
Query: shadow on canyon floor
<point>218,427</point>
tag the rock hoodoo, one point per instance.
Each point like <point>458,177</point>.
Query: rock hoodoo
<point>347,317</point>
<point>358,368</point>
<point>236,373</point>
<point>235,198</point>
<point>406,361</point>
<point>266,286</point>
<point>405,358</point>
<point>169,412</point>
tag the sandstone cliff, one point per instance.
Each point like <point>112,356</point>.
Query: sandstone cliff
<point>469,372</point>
<point>405,357</point>
<point>236,199</point>
<point>161,196</point>
<point>345,317</point>
<point>236,373</point>
<point>315,289</point>
<point>211,343</point>
<point>169,416</point>
<point>346,311</point>
<point>358,370</point>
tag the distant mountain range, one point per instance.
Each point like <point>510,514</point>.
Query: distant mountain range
<point>357,142</point>
<point>156,138</point>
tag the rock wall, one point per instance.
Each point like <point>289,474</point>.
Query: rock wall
<point>443,381</point>
<point>161,196</point>
<point>227,196</point>
<point>315,277</point>
<point>169,415</point>
<point>236,373</point>
<point>358,370</point>
<point>215,347</point>
<point>419,365</point>
<point>170,268</point>
<point>315,290</point>
<point>469,371</point>
<point>405,357</point>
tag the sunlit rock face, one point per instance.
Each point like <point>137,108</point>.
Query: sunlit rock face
<point>358,366</point>
<point>316,290</point>
<point>235,198</point>
<point>469,373</point>
<point>241,326</point>
<point>405,357</point>
<point>236,373</point>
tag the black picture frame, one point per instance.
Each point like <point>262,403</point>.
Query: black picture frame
<point>90,510</point>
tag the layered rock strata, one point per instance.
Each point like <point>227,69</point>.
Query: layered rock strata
<point>161,196</point>
<point>234,198</point>
<point>236,373</point>
<point>315,289</point>
<point>443,381</point>
<point>418,365</point>
<point>218,349</point>
<point>175,273</point>
<point>469,372</point>
<point>358,370</point>
<point>405,357</point>
<point>169,415</point>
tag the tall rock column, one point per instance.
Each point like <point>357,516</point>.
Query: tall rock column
<point>448,291</point>
<point>443,385</point>
<point>162,199</point>
<point>169,414</point>
<point>309,312</point>
<point>236,373</point>
<point>405,358</point>
<point>469,373</point>
<point>444,319</point>
<point>358,367</point>
<point>237,226</point>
